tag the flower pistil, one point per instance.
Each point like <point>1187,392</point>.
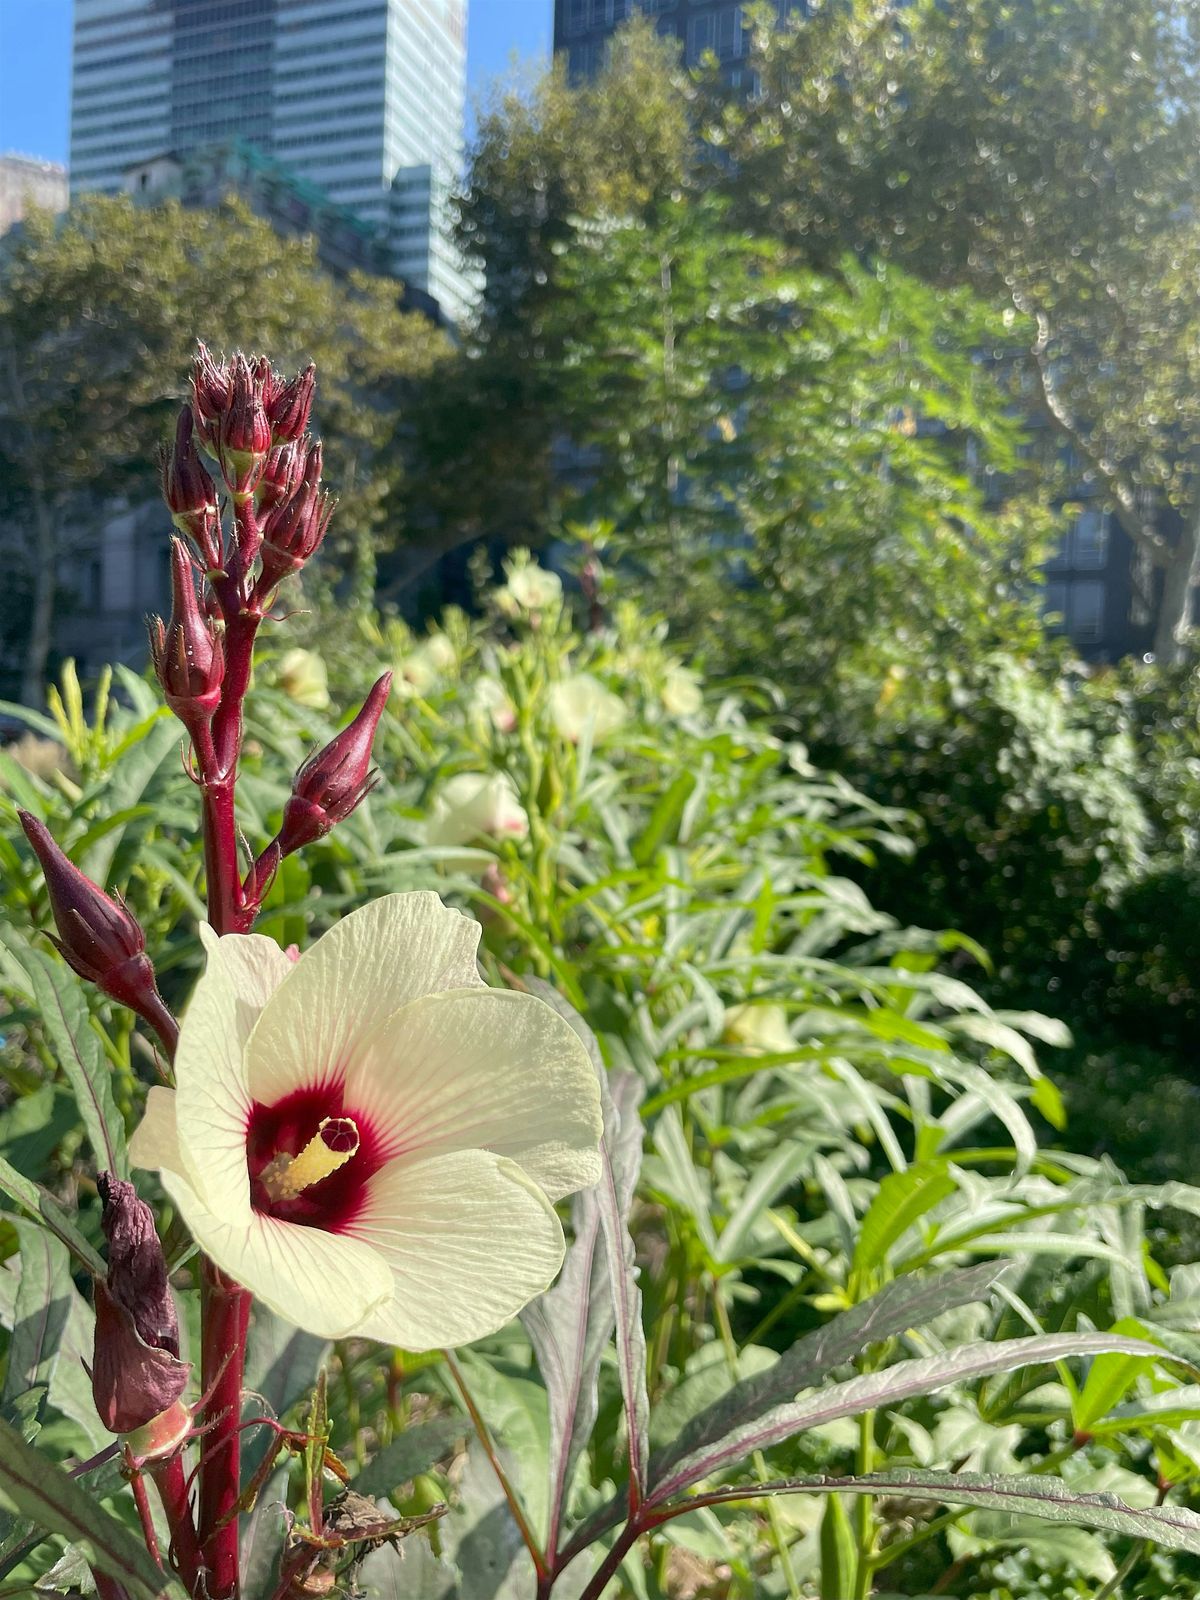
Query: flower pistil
<point>334,1142</point>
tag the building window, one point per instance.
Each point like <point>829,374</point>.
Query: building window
<point>732,41</point>
<point>1085,610</point>
<point>1089,539</point>
<point>576,15</point>
<point>701,35</point>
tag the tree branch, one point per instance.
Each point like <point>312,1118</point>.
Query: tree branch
<point>1116,485</point>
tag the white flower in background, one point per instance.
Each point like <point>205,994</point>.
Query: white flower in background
<point>761,1028</point>
<point>302,675</point>
<point>580,701</point>
<point>476,805</point>
<point>491,703</point>
<point>416,673</point>
<point>681,692</point>
<point>370,1139</point>
<point>529,588</point>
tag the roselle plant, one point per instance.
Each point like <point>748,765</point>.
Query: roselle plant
<point>366,1142</point>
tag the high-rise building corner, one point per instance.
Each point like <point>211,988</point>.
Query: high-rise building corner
<point>363,98</point>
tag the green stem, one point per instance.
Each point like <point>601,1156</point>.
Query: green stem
<point>865,1508</point>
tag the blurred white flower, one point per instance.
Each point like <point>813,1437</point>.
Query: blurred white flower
<point>369,1138</point>
<point>681,692</point>
<point>490,701</point>
<point>303,676</point>
<point>580,701</point>
<point>416,673</point>
<point>529,588</point>
<point>476,805</point>
<point>762,1029</point>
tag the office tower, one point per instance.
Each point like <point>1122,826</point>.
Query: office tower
<point>26,181</point>
<point>582,29</point>
<point>363,98</point>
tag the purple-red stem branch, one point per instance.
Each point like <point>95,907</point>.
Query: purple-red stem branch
<point>225,1316</point>
<point>217,753</point>
<point>514,1505</point>
<point>142,1501</point>
<point>171,1483</point>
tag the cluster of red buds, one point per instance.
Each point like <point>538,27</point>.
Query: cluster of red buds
<point>253,425</point>
<point>241,532</point>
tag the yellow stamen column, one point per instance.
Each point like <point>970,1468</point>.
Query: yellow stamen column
<point>334,1142</point>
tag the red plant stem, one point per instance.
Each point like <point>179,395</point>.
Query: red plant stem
<point>142,1501</point>
<point>218,748</point>
<point>225,1314</point>
<point>164,1025</point>
<point>514,1505</point>
<point>171,1483</point>
<point>108,1588</point>
<point>607,1570</point>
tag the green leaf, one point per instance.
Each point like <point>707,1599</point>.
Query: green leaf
<point>38,1489</point>
<point>136,761</point>
<point>839,1552</point>
<point>907,1303</point>
<point>41,1311</point>
<point>408,1455</point>
<point>902,1198</point>
<point>1171,1527</point>
<point>1110,1379</point>
<point>64,1015</point>
<point>904,1381</point>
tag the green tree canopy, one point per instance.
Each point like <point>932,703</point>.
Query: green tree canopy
<point>99,312</point>
<point>1043,153</point>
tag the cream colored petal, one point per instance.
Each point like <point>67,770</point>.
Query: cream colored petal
<point>325,1283</point>
<point>212,1102</point>
<point>155,1140</point>
<point>483,1069</point>
<point>368,965</point>
<point>469,1240</point>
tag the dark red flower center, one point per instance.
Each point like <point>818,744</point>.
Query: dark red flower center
<point>285,1128</point>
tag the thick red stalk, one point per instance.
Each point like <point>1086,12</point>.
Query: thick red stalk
<point>217,755</point>
<point>171,1482</point>
<point>225,1313</point>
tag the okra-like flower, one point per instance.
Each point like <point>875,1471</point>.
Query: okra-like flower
<point>529,588</point>
<point>304,677</point>
<point>580,702</point>
<point>681,693</point>
<point>369,1138</point>
<point>477,805</point>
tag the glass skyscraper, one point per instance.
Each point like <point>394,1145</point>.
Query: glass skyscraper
<point>363,97</point>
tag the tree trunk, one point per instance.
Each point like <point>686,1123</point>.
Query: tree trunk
<point>1175,606</point>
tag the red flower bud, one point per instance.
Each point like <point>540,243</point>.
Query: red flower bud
<point>211,391</point>
<point>136,1371</point>
<point>336,779</point>
<point>187,653</point>
<point>243,432</point>
<point>281,474</point>
<point>97,935</point>
<point>186,487</point>
<point>289,407</point>
<point>292,532</point>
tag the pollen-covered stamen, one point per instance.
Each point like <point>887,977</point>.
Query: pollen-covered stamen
<point>334,1142</point>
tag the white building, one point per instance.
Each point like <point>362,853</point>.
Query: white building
<point>363,97</point>
<point>27,181</point>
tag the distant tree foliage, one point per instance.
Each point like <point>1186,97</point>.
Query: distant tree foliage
<point>99,313</point>
<point>1041,152</point>
<point>778,448</point>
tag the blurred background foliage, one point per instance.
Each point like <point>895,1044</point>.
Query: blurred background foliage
<point>795,390</point>
<point>831,1103</point>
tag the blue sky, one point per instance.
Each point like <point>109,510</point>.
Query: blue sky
<point>35,62</point>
